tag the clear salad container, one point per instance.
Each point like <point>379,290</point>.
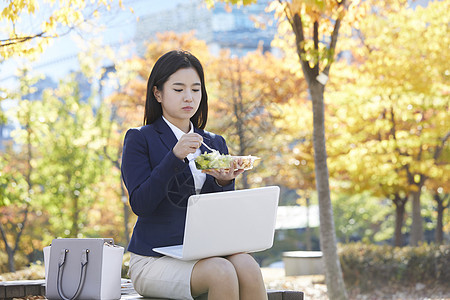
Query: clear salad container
<point>215,160</point>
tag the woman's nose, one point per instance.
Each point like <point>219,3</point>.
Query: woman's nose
<point>188,97</point>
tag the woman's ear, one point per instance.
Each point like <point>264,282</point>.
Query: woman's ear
<point>157,94</point>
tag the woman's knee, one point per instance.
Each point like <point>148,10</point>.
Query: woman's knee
<point>244,261</point>
<point>221,269</point>
<point>214,272</point>
<point>247,269</point>
<point>251,282</point>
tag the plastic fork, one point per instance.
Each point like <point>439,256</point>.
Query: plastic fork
<point>209,148</point>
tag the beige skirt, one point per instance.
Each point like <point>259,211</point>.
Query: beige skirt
<point>161,277</point>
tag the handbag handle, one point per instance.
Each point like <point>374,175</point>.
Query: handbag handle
<point>84,262</point>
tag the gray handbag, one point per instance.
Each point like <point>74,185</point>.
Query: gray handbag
<point>83,269</point>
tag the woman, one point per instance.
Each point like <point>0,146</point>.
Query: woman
<point>159,172</point>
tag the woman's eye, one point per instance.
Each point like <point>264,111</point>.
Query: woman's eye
<point>195,90</point>
<point>178,90</point>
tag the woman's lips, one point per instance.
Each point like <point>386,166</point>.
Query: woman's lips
<point>188,108</point>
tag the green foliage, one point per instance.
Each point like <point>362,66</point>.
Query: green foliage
<point>69,140</point>
<point>361,216</point>
<point>60,171</point>
<point>12,184</point>
<point>69,164</point>
<point>370,266</point>
<point>3,96</point>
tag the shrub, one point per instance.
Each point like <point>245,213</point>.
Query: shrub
<point>369,266</point>
<point>34,272</point>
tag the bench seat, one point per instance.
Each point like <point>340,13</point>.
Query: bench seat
<point>23,288</point>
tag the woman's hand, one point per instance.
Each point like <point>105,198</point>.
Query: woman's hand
<point>225,176</point>
<point>187,144</point>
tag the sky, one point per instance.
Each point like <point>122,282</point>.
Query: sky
<point>61,57</point>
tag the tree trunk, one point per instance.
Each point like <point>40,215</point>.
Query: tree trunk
<point>333,274</point>
<point>9,250</point>
<point>75,216</point>
<point>308,229</point>
<point>417,223</point>
<point>399,218</point>
<point>11,263</point>
<point>126,218</point>
<point>126,212</point>
<point>440,215</point>
<point>334,279</point>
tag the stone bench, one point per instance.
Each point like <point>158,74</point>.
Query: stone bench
<point>23,288</point>
<point>298,263</point>
<point>129,293</point>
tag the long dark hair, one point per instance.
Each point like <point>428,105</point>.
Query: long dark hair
<point>164,67</point>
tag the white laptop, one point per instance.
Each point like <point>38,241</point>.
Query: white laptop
<point>225,223</point>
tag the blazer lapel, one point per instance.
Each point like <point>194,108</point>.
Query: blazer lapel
<point>169,139</point>
<point>166,135</point>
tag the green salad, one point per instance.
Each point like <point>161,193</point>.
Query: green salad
<point>213,160</point>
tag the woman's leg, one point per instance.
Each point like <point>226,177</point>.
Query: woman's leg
<point>215,276</point>
<point>161,277</point>
<point>251,283</point>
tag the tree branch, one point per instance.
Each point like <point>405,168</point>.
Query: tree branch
<point>286,12</point>
<point>21,229</point>
<point>439,148</point>
<point>363,40</point>
<point>23,39</point>
<point>333,42</point>
<point>316,47</point>
<point>446,196</point>
<point>19,40</point>
<point>297,26</point>
<point>2,231</point>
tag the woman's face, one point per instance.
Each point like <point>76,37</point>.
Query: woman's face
<point>180,97</point>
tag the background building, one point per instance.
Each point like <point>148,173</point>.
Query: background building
<point>220,27</point>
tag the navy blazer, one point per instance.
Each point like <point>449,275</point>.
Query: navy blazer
<point>159,184</point>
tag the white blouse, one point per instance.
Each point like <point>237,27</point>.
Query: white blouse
<point>199,177</point>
